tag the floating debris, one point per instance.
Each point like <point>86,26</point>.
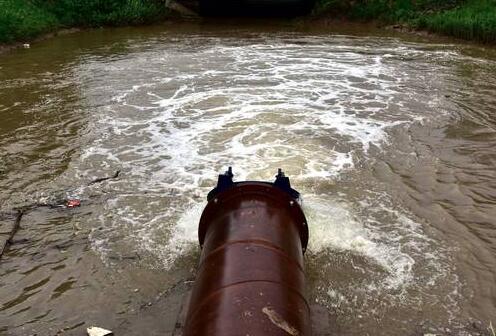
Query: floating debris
<point>96,331</point>
<point>72,203</point>
<point>4,244</point>
<point>279,321</point>
<point>99,180</point>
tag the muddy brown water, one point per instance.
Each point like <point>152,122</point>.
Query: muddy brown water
<point>390,139</point>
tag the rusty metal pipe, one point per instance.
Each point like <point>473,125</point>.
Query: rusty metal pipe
<point>250,279</point>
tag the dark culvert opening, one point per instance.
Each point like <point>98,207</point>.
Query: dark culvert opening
<point>255,8</point>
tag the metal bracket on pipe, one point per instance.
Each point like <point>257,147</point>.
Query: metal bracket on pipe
<point>225,181</point>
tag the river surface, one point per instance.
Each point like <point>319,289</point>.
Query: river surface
<point>390,139</point>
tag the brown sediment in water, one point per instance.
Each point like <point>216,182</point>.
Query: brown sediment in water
<point>318,22</point>
<point>396,166</point>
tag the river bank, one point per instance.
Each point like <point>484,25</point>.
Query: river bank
<point>15,45</point>
<point>473,20</point>
<point>26,20</point>
<point>22,21</point>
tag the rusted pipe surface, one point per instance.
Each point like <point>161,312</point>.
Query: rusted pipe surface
<point>250,279</point>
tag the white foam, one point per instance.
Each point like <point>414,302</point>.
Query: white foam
<point>184,236</point>
<point>333,226</point>
<point>223,111</point>
<point>313,109</point>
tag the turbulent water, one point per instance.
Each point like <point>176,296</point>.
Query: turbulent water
<point>390,142</point>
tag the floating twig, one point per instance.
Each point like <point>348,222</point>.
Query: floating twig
<point>101,179</point>
<point>65,203</point>
<point>13,231</point>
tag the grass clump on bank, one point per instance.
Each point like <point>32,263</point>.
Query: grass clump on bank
<point>25,19</point>
<point>22,19</point>
<point>475,20</point>
<point>469,19</point>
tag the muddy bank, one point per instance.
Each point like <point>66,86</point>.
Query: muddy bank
<point>320,22</point>
<point>27,44</point>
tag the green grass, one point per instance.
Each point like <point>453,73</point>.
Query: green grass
<point>385,10</point>
<point>22,19</point>
<point>25,19</point>
<point>468,19</point>
<point>475,20</point>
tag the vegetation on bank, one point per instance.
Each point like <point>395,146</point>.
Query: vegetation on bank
<point>26,19</point>
<point>475,20</point>
<point>22,20</point>
<point>468,19</point>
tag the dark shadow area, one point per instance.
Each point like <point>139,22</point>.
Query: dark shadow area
<point>255,8</point>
